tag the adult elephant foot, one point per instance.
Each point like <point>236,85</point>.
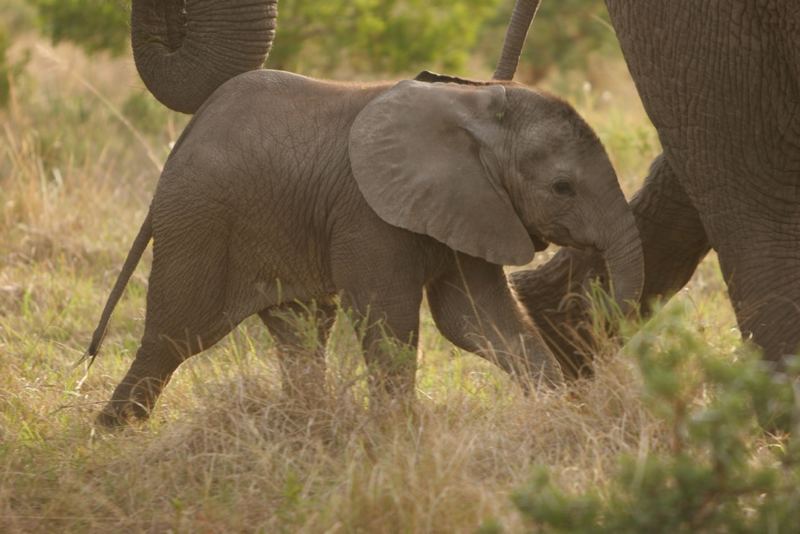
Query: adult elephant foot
<point>673,243</point>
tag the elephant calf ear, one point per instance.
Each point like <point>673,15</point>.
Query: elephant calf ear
<point>418,154</point>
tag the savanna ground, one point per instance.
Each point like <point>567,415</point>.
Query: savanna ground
<point>79,157</point>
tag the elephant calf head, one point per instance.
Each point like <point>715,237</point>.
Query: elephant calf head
<point>494,171</point>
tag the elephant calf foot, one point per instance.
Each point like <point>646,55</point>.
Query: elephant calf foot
<point>133,400</point>
<point>302,358</point>
<point>116,416</point>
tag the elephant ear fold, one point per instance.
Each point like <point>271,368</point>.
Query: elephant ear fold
<point>435,77</point>
<point>425,157</point>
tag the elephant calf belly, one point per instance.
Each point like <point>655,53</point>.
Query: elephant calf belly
<point>280,263</point>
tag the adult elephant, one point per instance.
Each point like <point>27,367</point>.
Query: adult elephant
<point>720,80</point>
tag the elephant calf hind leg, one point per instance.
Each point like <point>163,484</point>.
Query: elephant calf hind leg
<point>186,314</point>
<point>301,332</point>
<point>157,358</point>
<point>136,394</point>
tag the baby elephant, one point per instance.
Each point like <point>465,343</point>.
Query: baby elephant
<point>285,191</point>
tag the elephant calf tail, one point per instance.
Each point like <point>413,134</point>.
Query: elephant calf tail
<point>134,255</point>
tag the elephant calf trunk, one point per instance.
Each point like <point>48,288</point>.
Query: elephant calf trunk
<point>625,262</point>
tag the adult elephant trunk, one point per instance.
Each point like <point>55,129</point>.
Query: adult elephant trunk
<point>521,18</point>
<point>185,49</point>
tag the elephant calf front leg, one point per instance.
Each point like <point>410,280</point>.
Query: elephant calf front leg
<point>300,331</point>
<point>390,330</point>
<point>473,307</point>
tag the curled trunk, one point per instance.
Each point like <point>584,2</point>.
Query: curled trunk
<point>185,49</point>
<point>521,18</point>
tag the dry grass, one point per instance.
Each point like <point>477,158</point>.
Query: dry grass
<point>224,452</point>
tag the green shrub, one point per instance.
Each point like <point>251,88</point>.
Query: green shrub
<point>95,25</point>
<point>5,83</point>
<point>144,112</point>
<point>381,36</point>
<point>718,472</point>
<point>9,69</point>
<point>18,15</point>
<point>568,34</point>
<point>314,36</point>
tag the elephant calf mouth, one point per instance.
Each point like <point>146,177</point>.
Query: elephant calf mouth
<point>539,243</point>
<point>563,238</point>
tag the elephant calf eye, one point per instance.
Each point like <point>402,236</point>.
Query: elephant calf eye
<point>563,188</point>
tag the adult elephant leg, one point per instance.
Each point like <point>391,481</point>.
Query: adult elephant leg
<point>720,81</point>
<point>300,331</point>
<point>764,280</point>
<point>764,285</point>
<point>673,243</point>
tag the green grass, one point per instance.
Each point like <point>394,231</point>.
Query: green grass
<point>224,452</point>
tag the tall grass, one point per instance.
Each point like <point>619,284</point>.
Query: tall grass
<point>224,450</point>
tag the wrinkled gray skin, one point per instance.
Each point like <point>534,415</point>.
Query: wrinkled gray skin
<point>720,79</point>
<point>286,194</point>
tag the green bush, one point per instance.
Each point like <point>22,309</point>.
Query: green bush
<point>144,112</point>
<point>313,36</point>
<point>382,36</point>
<point>719,473</point>
<point>5,70</point>
<point>9,69</point>
<point>568,34</point>
<point>95,25</point>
